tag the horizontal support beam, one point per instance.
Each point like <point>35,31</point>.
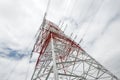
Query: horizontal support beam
<point>71,75</point>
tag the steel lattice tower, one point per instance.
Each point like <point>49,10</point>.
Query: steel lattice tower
<point>61,58</point>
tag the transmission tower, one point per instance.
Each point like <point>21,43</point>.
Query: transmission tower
<point>61,58</point>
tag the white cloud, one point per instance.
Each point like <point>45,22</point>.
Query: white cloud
<point>19,21</point>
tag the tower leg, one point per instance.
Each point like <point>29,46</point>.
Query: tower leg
<point>54,60</point>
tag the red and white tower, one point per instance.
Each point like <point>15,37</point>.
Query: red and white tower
<point>61,58</point>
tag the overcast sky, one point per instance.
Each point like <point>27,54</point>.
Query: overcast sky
<point>99,20</point>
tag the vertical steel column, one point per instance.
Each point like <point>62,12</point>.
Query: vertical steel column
<point>54,60</point>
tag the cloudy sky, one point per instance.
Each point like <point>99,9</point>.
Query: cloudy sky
<point>96,21</point>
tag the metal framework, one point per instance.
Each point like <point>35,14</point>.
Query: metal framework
<point>61,58</point>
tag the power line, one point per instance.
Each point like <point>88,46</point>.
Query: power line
<point>83,36</point>
<point>36,37</point>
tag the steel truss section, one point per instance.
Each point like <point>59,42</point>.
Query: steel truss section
<point>61,58</point>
